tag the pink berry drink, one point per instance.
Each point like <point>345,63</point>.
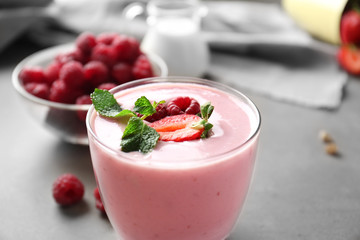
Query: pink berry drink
<point>190,190</point>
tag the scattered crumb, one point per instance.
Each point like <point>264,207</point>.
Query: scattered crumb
<point>330,145</point>
<point>331,149</point>
<point>325,136</point>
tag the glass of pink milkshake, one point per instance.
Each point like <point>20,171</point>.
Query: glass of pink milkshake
<point>186,190</point>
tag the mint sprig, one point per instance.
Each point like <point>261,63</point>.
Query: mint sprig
<point>137,136</point>
<point>105,103</point>
<point>205,112</point>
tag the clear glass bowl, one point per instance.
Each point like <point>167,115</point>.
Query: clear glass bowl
<point>62,119</point>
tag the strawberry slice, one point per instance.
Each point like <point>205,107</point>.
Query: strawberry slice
<point>348,57</point>
<point>350,27</point>
<point>178,128</point>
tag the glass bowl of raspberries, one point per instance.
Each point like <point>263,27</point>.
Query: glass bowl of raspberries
<point>55,83</point>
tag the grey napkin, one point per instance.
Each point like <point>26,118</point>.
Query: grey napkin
<point>258,47</point>
<point>255,46</point>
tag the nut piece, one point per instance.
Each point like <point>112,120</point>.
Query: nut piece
<point>325,136</point>
<point>331,149</point>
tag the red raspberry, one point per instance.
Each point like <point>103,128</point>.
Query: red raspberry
<point>122,72</point>
<point>181,105</point>
<point>142,68</point>
<point>350,27</point>
<point>107,86</point>
<point>72,74</point>
<point>68,190</point>
<point>104,53</point>
<point>127,48</point>
<point>73,55</point>
<point>59,92</point>
<point>86,42</point>
<point>32,74</point>
<point>52,72</point>
<point>98,202</point>
<point>40,90</point>
<point>96,73</point>
<point>82,100</point>
<point>106,38</point>
<point>161,112</point>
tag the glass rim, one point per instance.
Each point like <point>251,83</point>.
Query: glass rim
<point>180,79</point>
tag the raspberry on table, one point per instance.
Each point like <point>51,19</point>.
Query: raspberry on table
<point>181,105</point>
<point>98,202</point>
<point>40,90</point>
<point>32,74</point>
<point>122,72</point>
<point>68,190</point>
<point>72,74</point>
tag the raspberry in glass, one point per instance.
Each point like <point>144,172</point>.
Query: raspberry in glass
<point>52,72</point>
<point>95,73</point>
<point>72,74</point>
<point>127,48</point>
<point>106,38</point>
<point>122,72</point>
<point>106,86</point>
<point>104,53</point>
<point>32,74</point>
<point>181,105</point>
<point>86,41</point>
<point>40,90</point>
<point>60,92</point>
<point>142,68</point>
<point>68,190</point>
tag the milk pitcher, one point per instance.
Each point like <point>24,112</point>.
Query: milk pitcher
<point>174,34</point>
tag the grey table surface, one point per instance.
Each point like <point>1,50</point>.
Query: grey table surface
<point>298,191</point>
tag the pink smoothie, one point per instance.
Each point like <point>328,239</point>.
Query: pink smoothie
<point>190,190</point>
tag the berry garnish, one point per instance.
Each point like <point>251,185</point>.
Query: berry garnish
<point>181,105</point>
<point>348,57</point>
<point>350,27</point>
<point>178,128</point>
<point>68,190</point>
<point>98,202</point>
<point>137,136</point>
<point>161,112</point>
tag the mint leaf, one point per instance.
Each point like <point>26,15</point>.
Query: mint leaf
<point>105,103</point>
<point>205,113</point>
<point>144,107</point>
<point>138,136</point>
<point>206,110</point>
